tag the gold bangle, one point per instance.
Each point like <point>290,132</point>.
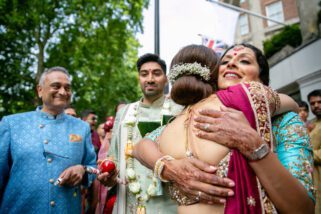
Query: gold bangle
<point>159,167</point>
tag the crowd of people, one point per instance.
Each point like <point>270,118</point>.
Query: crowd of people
<point>222,142</point>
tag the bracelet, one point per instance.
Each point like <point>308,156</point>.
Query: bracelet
<point>260,152</point>
<point>159,167</point>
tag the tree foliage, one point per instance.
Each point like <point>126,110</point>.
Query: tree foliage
<point>290,35</point>
<point>93,39</point>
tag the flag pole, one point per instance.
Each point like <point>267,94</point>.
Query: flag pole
<point>156,30</point>
<point>245,11</point>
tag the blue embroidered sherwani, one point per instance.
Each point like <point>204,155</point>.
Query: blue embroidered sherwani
<point>35,148</point>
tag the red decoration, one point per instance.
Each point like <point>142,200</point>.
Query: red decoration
<point>107,166</point>
<point>108,209</point>
<point>110,118</point>
<point>109,124</point>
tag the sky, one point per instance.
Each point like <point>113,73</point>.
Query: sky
<point>181,22</point>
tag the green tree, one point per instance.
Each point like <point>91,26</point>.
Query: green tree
<point>16,82</point>
<point>93,39</point>
<point>290,35</point>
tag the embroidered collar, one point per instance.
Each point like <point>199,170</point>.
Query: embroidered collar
<point>157,103</point>
<point>46,115</point>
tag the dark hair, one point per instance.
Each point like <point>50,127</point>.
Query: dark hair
<point>264,73</point>
<point>149,57</point>
<point>303,104</point>
<point>189,89</point>
<point>86,112</point>
<point>314,93</point>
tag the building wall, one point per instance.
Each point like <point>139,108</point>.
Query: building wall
<point>290,10</point>
<point>259,30</point>
<point>299,73</point>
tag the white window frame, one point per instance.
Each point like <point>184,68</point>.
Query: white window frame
<point>244,24</point>
<point>274,11</point>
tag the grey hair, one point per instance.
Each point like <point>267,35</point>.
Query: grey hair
<point>50,70</point>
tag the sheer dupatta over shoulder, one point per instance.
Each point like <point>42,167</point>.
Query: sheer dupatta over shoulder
<point>251,99</point>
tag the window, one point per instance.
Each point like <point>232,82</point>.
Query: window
<point>275,11</point>
<point>242,1</point>
<point>244,24</point>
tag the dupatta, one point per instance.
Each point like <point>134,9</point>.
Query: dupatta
<point>251,99</point>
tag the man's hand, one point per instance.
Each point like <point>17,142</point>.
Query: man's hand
<point>72,176</point>
<point>108,179</point>
<point>227,127</point>
<point>192,176</point>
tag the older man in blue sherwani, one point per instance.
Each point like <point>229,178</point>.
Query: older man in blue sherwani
<point>39,147</point>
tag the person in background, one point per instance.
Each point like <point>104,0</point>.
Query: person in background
<point>44,153</point>
<point>91,118</point>
<point>89,198</point>
<point>70,111</point>
<point>314,98</point>
<point>101,133</point>
<point>304,114</point>
<point>106,198</point>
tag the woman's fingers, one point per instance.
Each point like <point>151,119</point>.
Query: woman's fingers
<point>202,165</point>
<point>210,113</point>
<point>206,193</point>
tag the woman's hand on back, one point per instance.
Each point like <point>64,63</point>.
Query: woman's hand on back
<point>197,178</point>
<point>229,128</point>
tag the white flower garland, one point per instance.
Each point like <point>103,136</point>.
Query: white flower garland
<point>190,69</point>
<point>134,185</point>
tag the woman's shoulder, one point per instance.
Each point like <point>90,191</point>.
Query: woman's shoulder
<point>209,102</point>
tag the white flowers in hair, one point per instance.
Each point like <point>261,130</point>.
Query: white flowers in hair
<point>189,69</point>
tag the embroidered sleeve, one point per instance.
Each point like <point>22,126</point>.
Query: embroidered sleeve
<point>272,97</point>
<point>294,149</point>
<point>155,134</point>
<point>261,108</point>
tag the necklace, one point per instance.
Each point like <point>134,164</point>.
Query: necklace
<point>190,152</point>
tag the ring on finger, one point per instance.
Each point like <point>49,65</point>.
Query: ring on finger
<point>198,197</point>
<point>206,126</point>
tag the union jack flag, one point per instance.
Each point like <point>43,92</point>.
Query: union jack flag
<point>216,44</point>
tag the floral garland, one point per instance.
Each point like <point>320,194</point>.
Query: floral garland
<point>134,185</point>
